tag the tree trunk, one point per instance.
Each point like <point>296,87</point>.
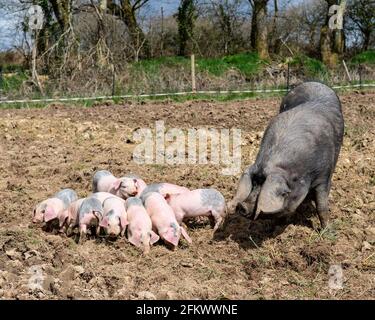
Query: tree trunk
<point>44,38</point>
<point>136,34</point>
<point>34,71</point>
<point>254,29</point>
<point>259,33</point>
<point>366,39</point>
<point>339,35</point>
<point>185,20</point>
<point>101,47</point>
<point>261,43</point>
<point>339,42</point>
<point>332,42</point>
<point>103,5</point>
<point>226,27</point>
<point>276,46</point>
<point>62,11</point>
<point>329,58</point>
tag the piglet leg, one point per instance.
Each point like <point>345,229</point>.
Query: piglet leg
<point>82,233</point>
<point>218,222</point>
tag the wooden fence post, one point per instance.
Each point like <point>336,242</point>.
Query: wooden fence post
<point>288,61</point>
<point>360,76</point>
<point>347,71</point>
<point>1,77</point>
<point>113,80</point>
<point>193,83</point>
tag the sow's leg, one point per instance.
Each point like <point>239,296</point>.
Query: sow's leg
<point>321,201</point>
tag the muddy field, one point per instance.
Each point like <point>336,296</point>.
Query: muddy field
<point>44,150</point>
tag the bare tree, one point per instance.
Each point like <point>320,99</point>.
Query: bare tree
<point>362,14</point>
<point>62,11</point>
<point>186,17</point>
<point>227,17</point>
<point>127,10</point>
<point>102,49</point>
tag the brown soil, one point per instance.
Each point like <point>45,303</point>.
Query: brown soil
<point>44,150</point>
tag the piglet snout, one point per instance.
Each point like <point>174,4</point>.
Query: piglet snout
<point>112,235</point>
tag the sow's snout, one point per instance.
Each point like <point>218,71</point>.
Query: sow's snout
<point>249,212</point>
<point>246,210</point>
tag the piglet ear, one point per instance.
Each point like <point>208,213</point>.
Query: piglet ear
<point>123,222</point>
<point>98,215</point>
<point>104,223</point>
<point>154,238</point>
<point>136,184</point>
<point>117,184</point>
<point>185,235</point>
<point>134,241</point>
<point>170,237</point>
<point>49,214</point>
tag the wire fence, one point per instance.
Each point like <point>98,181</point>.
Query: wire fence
<point>186,93</point>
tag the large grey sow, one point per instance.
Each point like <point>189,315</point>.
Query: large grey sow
<point>297,156</point>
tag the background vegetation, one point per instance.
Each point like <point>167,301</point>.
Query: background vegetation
<point>129,46</point>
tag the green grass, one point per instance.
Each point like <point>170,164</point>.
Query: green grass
<point>247,63</point>
<point>13,83</point>
<point>7,68</point>
<point>367,57</point>
<point>155,65</point>
<point>212,97</point>
<point>311,67</point>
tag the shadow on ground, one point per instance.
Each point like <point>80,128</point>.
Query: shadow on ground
<point>251,234</point>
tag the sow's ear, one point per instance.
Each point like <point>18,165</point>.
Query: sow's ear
<point>244,187</point>
<point>272,195</point>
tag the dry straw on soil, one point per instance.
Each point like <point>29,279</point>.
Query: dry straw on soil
<point>43,150</point>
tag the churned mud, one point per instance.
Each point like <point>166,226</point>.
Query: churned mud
<point>44,150</point>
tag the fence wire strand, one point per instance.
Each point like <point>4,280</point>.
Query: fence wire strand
<point>171,94</point>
